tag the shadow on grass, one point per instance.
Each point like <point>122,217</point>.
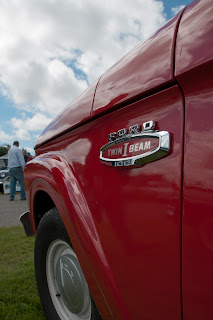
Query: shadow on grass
<point>18,292</point>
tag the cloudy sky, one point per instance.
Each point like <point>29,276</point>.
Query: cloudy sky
<point>52,50</point>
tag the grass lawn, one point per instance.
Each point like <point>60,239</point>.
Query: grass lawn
<point>18,292</point>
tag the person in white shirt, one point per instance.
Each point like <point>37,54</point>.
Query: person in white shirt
<point>16,165</point>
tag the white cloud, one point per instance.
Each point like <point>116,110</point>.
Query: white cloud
<point>23,134</point>
<point>175,10</point>
<point>45,36</point>
<point>4,137</point>
<point>37,122</point>
<point>117,32</point>
<point>23,127</point>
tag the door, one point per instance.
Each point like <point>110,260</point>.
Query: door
<point>194,70</point>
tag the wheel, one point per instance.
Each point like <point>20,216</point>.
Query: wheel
<point>62,287</point>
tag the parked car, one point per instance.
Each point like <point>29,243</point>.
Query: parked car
<point>4,171</point>
<point>120,192</point>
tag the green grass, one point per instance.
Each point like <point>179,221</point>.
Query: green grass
<point>19,298</point>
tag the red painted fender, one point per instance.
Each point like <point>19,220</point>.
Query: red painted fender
<point>51,173</point>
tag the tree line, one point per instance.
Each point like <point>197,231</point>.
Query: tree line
<point>4,149</point>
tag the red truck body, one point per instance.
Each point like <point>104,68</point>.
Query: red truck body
<point>143,235</point>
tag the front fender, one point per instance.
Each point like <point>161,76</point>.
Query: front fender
<point>52,174</point>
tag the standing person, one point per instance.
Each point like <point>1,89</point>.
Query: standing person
<point>16,165</point>
<point>29,157</point>
<point>25,155</point>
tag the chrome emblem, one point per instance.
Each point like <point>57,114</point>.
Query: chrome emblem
<point>134,148</point>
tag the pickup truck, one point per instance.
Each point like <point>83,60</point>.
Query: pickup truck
<point>120,192</point>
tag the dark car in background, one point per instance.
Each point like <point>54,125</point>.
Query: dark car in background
<point>4,171</point>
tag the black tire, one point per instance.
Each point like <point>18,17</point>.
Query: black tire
<point>63,290</point>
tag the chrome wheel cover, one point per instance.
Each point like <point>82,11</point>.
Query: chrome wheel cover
<point>67,284</point>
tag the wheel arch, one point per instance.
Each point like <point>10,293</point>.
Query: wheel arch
<point>50,183</point>
<point>47,204</point>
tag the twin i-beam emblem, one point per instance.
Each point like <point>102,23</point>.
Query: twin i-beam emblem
<point>135,147</point>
